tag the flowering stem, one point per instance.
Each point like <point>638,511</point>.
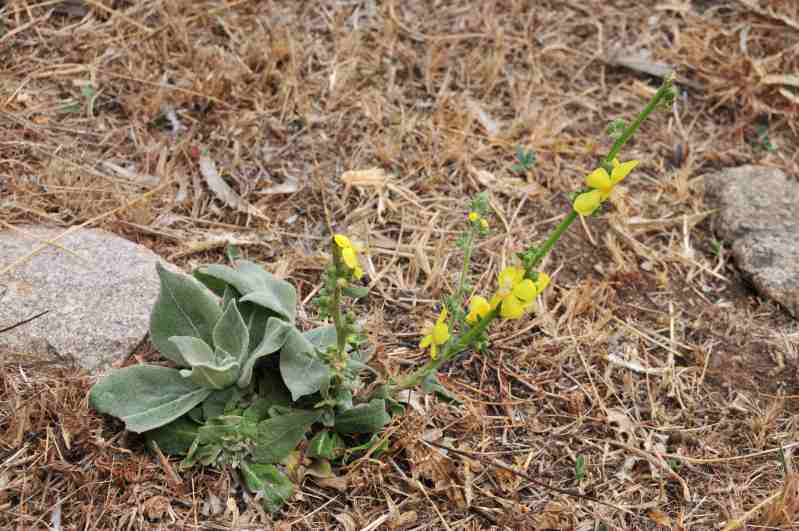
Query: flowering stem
<point>551,241</point>
<point>335,307</point>
<point>466,340</point>
<point>452,349</point>
<point>664,90</point>
<point>467,260</point>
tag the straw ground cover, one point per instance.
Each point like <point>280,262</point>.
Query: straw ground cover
<point>653,379</point>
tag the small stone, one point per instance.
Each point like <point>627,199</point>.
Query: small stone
<point>771,258</point>
<point>759,216</point>
<point>99,298</point>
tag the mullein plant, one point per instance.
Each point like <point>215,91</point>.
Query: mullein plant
<point>246,388</point>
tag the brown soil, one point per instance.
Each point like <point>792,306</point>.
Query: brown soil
<point>686,432</point>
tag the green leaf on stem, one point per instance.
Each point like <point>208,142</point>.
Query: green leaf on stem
<point>363,418</point>
<point>326,445</point>
<point>278,436</point>
<point>430,384</point>
<point>266,480</point>
<point>176,437</point>
<point>302,371</point>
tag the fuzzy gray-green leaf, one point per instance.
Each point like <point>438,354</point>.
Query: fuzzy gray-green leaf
<point>302,371</point>
<point>231,334</point>
<point>322,338</point>
<point>273,339</point>
<point>176,437</point>
<point>279,299</point>
<point>220,373</point>
<point>364,418</point>
<point>256,318</point>
<point>193,350</point>
<point>184,308</point>
<point>267,480</point>
<point>145,397</point>
<point>278,436</point>
<point>250,279</point>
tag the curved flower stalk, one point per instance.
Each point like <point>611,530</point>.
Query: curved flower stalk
<point>519,286</point>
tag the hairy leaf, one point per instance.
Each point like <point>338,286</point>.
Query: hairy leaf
<point>222,372</point>
<point>268,481</point>
<point>274,338</point>
<point>176,437</point>
<point>194,350</point>
<point>231,335</point>
<point>279,301</point>
<point>326,445</point>
<point>321,338</point>
<point>145,397</point>
<point>302,371</point>
<point>184,308</point>
<point>256,318</point>
<point>363,418</point>
<point>218,402</point>
<point>278,436</point>
<point>220,441</point>
<point>249,279</point>
<point>228,295</point>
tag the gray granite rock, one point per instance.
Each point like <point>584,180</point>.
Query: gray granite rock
<point>759,217</point>
<point>99,298</point>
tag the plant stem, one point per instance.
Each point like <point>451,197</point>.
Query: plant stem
<point>453,348</point>
<point>664,90</point>
<point>626,135</point>
<point>335,289</point>
<point>551,241</point>
<point>467,260</point>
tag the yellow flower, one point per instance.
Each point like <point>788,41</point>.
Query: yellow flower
<point>541,282</point>
<point>474,216</point>
<point>587,202</point>
<point>602,185</point>
<point>437,335</point>
<point>349,254</point>
<point>478,308</point>
<point>515,294</point>
<point>484,224</point>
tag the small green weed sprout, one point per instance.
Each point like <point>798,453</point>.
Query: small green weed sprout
<point>762,141</point>
<point>247,388</point>
<point>579,468</point>
<point>525,159</point>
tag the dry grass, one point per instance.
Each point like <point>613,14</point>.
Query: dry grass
<point>651,359</point>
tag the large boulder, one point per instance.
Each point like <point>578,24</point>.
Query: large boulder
<point>98,288</point>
